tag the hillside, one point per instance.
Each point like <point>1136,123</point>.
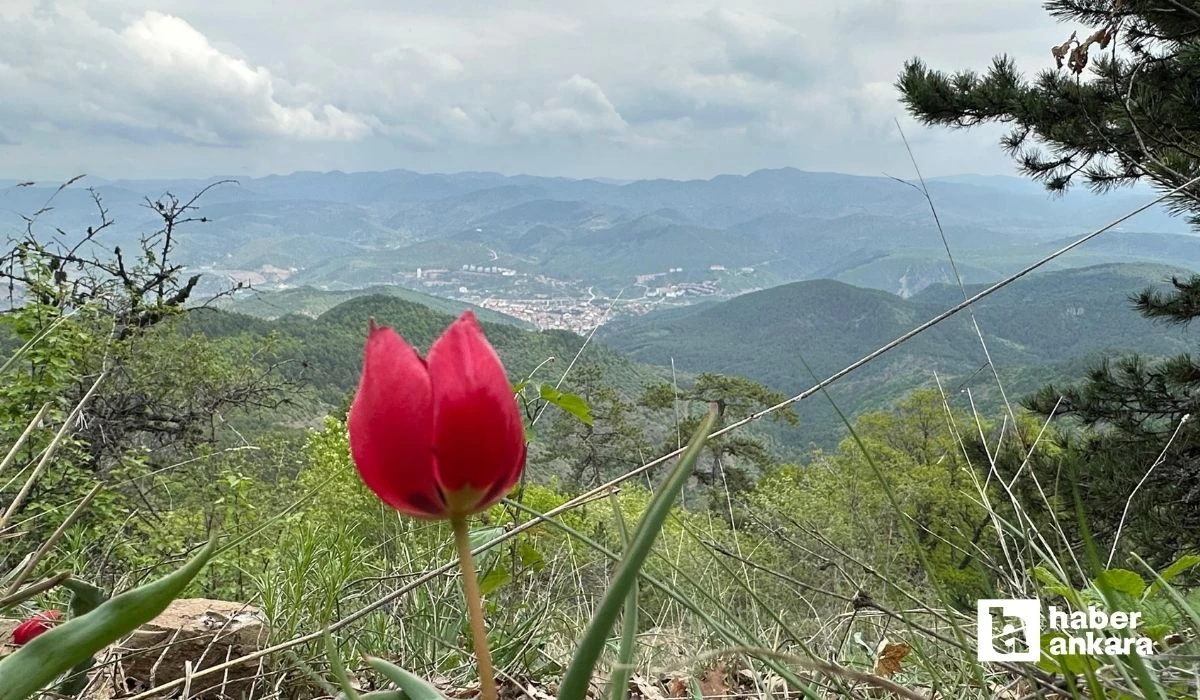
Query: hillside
<point>312,302</point>
<point>326,351</point>
<point>1033,328</point>
<point>1064,314</point>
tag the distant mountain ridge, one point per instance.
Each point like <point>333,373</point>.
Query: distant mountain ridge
<point>356,229</point>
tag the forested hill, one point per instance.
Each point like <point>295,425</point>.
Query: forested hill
<point>326,351</point>
<point>1033,329</point>
<point>312,302</point>
<point>1042,328</point>
<point>1066,313</point>
<point>1039,329</point>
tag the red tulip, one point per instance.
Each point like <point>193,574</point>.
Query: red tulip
<point>27,630</point>
<point>441,436</point>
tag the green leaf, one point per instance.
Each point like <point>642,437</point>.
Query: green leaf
<point>338,668</point>
<point>1046,577</point>
<point>414,687</point>
<point>493,580</point>
<point>530,556</point>
<point>1122,580</point>
<point>85,597</point>
<point>618,684</point>
<point>482,536</point>
<point>52,653</point>
<point>1186,606</point>
<point>1179,566</point>
<point>1052,584</point>
<point>571,403</point>
<point>1067,664</point>
<point>575,683</point>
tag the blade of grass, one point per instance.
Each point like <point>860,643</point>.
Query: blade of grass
<point>1141,676</point>
<point>1163,584</point>
<point>52,653</point>
<point>34,589</point>
<point>338,668</point>
<point>415,687</point>
<point>737,636</point>
<point>618,684</point>
<point>33,561</point>
<point>48,453</point>
<point>579,672</point>
<point>792,634</point>
<point>905,525</point>
<point>33,424</point>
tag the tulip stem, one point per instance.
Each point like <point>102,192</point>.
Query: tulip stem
<point>483,656</point>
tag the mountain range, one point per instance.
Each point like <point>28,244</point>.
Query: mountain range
<point>349,230</point>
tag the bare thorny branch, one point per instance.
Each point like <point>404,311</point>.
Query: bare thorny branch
<point>67,275</point>
<point>125,296</point>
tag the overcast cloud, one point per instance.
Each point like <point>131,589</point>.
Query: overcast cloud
<point>622,88</point>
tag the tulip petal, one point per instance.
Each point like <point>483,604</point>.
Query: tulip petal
<point>501,488</point>
<point>477,432</point>
<point>34,626</point>
<point>391,426</point>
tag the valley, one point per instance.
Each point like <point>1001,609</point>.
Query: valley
<point>741,275</point>
<point>573,254</point>
<point>1048,325</point>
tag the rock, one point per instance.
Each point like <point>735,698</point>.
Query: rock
<point>203,632</point>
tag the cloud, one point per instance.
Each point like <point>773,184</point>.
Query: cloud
<point>899,18</point>
<point>767,49</point>
<point>156,74</point>
<point>236,101</point>
<point>677,103</point>
<point>620,89</point>
<point>415,60</point>
<point>578,108</point>
<point>761,78</point>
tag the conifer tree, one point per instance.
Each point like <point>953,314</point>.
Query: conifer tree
<point>1117,102</point>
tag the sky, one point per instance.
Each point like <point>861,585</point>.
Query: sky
<point>626,89</point>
